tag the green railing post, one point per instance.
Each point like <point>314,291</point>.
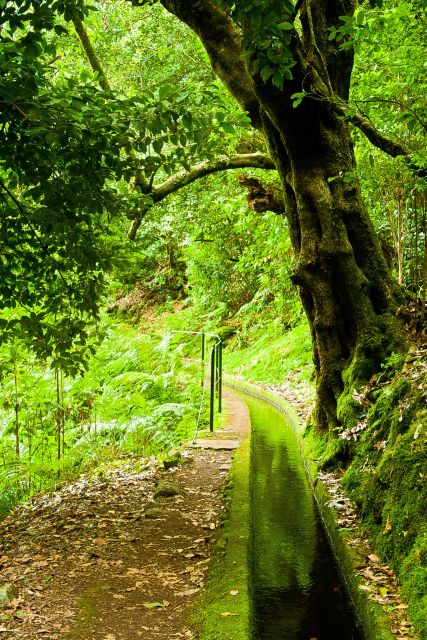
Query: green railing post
<point>216,366</point>
<point>203,358</point>
<point>212,398</point>
<point>219,376</point>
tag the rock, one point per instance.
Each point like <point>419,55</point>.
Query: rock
<point>7,593</point>
<point>172,460</point>
<point>154,513</point>
<point>186,458</point>
<point>167,489</point>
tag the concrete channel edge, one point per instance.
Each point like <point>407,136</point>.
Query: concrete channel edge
<point>374,620</point>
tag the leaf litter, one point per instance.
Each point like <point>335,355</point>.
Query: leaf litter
<point>88,565</point>
<point>376,579</point>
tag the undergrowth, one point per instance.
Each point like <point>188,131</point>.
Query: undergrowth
<point>139,397</point>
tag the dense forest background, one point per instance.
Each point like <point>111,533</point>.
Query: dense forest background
<point>138,197</point>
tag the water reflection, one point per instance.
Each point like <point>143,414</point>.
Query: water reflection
<point>296,592</point>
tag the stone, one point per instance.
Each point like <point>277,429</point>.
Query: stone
<point>7,593</point>
<point>172,460</point>
<point>167,489</point>
<point>154,513</point>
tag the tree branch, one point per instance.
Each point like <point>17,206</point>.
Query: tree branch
<point>205,168</point>
<point>90,53</point>
<point>389,146</point>
<point>139,177</point>
<point>222,41</point>
<point>183,178</point>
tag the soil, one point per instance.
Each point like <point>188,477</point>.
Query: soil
<point>87,563</point>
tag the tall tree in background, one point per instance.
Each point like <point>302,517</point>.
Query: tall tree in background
<point>286,65</point>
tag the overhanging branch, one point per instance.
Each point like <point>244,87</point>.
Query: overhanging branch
<point>392,147</point>
<point>90,53</point>
<point>222,41</point>
<point>183,178</point>
<point>389,146</point>
<point>206,168</point>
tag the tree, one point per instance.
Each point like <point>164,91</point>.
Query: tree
<point>289,66</point>
<point>69,150</point>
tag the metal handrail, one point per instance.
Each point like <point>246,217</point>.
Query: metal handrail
<point>199,413</point>
<point>216,374</point>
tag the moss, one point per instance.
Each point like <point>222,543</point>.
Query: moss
<point>380,353</point>
<point>414,579</point>
<point>386,479</point>
<point>349,410</point>
<point>217,614</point>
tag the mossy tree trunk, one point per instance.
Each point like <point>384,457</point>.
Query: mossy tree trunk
<point>346,289</point>
<point>342,275</point>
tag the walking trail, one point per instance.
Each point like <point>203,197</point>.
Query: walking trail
<point>101,559</point>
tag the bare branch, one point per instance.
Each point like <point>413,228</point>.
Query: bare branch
<point>183,178</point>
<point>186,177</point>
<point>90,53</point>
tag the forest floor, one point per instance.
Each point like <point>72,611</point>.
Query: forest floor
<point>87,563</point>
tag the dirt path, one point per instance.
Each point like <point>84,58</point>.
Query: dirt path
<point>88,564</point>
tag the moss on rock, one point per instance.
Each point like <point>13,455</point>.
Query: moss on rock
<point>387,480</point>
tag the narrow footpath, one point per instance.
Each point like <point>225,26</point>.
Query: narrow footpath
<point>119,556</point>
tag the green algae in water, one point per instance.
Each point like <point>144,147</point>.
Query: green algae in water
<point>296,591</point>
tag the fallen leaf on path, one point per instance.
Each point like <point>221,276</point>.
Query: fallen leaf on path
<point>188,592</point>
<point>153,605</point>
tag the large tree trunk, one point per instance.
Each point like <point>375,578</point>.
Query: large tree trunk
<point>343,278</point>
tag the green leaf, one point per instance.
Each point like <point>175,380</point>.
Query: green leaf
<point>228,128</point>
<point>157,146</point>
<point>165,90</point>
<point>60,30</point>
<point>297,99</point>
<point>266,73</point>
<point>286,26</point>
<point>152,605</point>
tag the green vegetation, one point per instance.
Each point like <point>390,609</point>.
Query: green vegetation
<point>271,358</point>
<point>138,398</point>
<point>105,124</point>
<point>386,479</point>
<point>179,185</point>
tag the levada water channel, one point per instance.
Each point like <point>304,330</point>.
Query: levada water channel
<point>295,586</point>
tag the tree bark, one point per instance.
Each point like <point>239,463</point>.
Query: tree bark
<point>344,282</point>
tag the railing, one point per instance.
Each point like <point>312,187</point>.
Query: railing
<point>213,373</point>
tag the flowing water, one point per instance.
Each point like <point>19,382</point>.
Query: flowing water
<point>296,589</point>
